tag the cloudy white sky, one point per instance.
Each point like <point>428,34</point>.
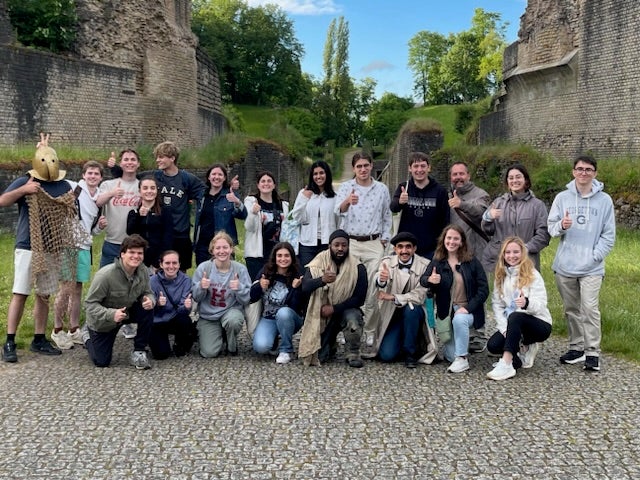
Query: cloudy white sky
<point>381,29</point>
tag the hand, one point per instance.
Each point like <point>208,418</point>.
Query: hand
<point>521,300</point>
<point>188,302</point>
<point>235,283</point>
<point>147,304</point>
<point>385,296</point>
<point>264,283</point>
<point>205,283</point>
<point>404,195</point>
<point>102,222</point>
<point>455,202</point>
<point>44,140</point>
<point>383,273</point>
<point>112,160</point>
<point>232,197</point>
<point>234,184</point>
<point>326,310</point>
<point>31,187</point>
<point>143,211</point>
<point>329,276</point>
<point>566,221</point>
<point>118,192</point>
<point>434,278</point>
<point>495,213</point>
<point>256,207</point>
<point>353,197</point>
<point>162,300</point>
<point>297,282</point>
<point>307,192</point>
<point>120,314</point>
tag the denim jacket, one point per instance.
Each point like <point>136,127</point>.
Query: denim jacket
<point>225,213</point>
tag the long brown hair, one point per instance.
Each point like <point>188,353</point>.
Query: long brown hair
<point>157,206</point>
<point>464,254</point>
<point>270,268</point>
<point>526,266</point>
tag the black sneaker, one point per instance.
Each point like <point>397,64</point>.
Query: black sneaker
<point>44,347</point>
<point>410,362</point>
<point>9,353</point>
<point>592,363</point>
<point>572,356</point>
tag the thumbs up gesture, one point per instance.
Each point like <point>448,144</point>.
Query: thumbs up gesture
<point>162,300</point>
<point>454,201</point>
<point>297,282</point>
<point>404,195</point>
<point>329,276</point>
<point>521,300</point>
<point>120,314</point>
<point>234,284</point>
<point>118,192</point>
<point>566,221</point>
<point>307,192</point>
<point>434,278</point>
<point>112,160</point>
<point>147,304</point>
<point>264,283</point>
<point>188,302</point>
<point>383,273</point>
<point>205,283</point>
<point>353,197</point>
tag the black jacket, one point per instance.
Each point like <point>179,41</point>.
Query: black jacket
<point>475,285</point>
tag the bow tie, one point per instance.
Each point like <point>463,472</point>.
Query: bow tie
<point>404,266</point>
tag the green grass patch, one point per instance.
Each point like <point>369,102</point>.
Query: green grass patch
<point>445,115</point>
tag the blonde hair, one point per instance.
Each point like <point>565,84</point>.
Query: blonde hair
<point>221,235</point>
<point>525,270</point>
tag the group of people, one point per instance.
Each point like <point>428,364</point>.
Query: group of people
<point>418,300</point>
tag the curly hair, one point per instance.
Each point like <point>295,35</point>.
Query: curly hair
<point>271,268</point>
<point>525,270</point>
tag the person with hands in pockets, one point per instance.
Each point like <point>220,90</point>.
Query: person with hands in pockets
<point>221,288</point>
<point>172,288</point>
<point>520,308</point>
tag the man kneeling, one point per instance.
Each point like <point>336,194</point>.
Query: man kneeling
<point>120,294</point>
<point>337,285</point>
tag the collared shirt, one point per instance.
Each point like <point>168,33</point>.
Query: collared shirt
<point>371,215</point>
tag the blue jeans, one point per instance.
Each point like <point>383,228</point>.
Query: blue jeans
<point>110,251</point>
<point>458,346</point>
<point>401,334</point>
<point>286,323</point>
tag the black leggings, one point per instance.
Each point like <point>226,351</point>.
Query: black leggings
<point>523,326</point>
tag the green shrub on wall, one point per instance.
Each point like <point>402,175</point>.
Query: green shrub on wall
<point>47,24</point>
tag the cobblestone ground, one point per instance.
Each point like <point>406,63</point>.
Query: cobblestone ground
<point>245,417</point>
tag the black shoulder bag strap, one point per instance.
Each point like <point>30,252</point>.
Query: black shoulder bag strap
<point>469,222</point>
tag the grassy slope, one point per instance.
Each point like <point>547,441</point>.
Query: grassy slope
<point>446,116</point>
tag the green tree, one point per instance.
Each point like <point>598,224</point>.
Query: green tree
<point>491,31</point>
<point>48,24</point>
<point>255,49</point>
<point>460,69</point>
<point>426,50</point>
<point>387,117</point>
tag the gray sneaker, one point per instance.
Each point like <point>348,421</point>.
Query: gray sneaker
<point>140,360</point>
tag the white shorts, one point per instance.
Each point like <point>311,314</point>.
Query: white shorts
<point>22,283</point>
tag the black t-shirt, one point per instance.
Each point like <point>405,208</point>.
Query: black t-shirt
<point>271,223</point>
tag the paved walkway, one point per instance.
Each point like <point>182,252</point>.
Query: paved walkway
<point>245,417</point>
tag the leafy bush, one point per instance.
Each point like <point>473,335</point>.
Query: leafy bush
<point>48,24</point>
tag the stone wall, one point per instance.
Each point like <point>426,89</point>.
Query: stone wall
<point>6,34</point>
<point>571,80</point>
<point>134,78</point>
<point>407,142</point>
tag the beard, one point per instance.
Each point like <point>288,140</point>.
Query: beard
<point>339,260</point>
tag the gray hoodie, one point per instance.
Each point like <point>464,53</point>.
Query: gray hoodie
<point>214,302</point>
<point>584,246</point>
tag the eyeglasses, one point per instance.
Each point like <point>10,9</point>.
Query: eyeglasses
<point>588,171</point>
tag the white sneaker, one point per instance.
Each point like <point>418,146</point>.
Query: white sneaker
<point>129,330</point>
<point>62,340</point>
<point>530,355</point>
<point>283,358</point>
<point>340,338</point>
<point>460,364</point>
<point>502,371</point>
<point>76,337</point>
